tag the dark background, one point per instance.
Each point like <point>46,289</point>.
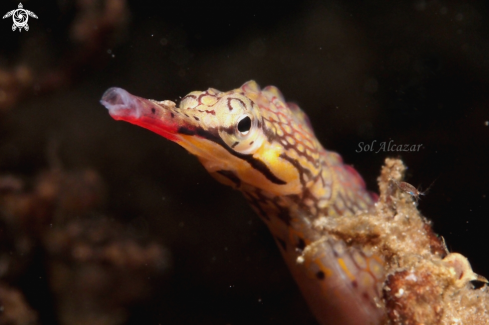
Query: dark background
<point>416,72</point>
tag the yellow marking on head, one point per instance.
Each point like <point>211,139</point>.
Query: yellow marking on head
<point>306,164</point>
<point>287,129</point>
<point>308,143</point>
<point>292,153</point>
<point>279,132</point>
<point>269,125</point>
<point>209,100</point>
<point>342,264</point>
<point>327,271</point>
<point>215,158</point>
<point>272,116</point>
<point>283,120</point>
<point>270,153</point>
<point>290,140</point>
<point>318,190</point>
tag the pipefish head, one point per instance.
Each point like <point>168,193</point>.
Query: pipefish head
<point>244,137</point>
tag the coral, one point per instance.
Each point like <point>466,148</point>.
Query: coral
<point>96,268</point>
<point>14,310</point>
<point>425,283</point>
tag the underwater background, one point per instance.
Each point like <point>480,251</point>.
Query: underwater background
<point>102,222</point>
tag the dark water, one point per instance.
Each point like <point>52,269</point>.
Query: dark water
<point>415,73</point>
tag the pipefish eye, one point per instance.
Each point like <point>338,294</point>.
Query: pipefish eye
<point>244,125</point>
<point>239,123</point>
<point>244,135</point>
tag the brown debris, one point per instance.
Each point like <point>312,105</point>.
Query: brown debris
<point>436,287</point>
<point>14,310</point>
<point>425,284</point>
<point>437,244</point>
<point>411,297</point>
<point>104,266</point>
<point>96,268</point>
<point>55,194</point>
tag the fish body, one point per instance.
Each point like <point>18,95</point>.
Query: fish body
<point>254,141</point>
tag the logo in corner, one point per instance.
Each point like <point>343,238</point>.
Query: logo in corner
<point>20,17</point>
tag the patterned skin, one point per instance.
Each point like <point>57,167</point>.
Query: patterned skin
<point>253,141</point>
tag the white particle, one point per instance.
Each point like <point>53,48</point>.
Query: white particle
<point>399,293</point>
<point>412,277</point>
